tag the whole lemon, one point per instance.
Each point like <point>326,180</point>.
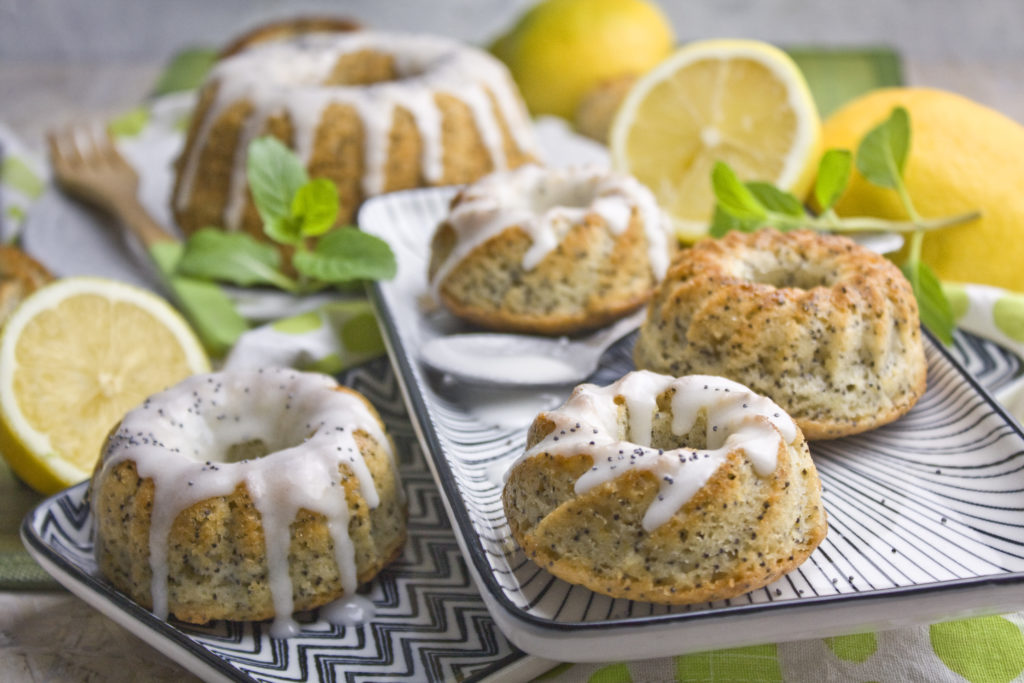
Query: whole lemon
<point>963,156</point>
<point>561,49</point>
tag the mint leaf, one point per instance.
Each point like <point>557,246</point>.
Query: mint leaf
<point>775,200</point>
<point>315,207</point>
<point>347,254</point>
<point>212,314</point>
<point>935,310</point>
<point>275,174</point>
<point>187,71</point>
<point>234,257</point>
<point>723,222</point>
<point>733,196</point>
<point>882,153</point>
<point>284,230</point>
<point>833,176</point>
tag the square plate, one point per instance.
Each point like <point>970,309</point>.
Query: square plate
<point>430,622</point>
<point>925,514</point>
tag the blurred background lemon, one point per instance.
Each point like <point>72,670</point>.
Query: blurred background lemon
<point>963,156</point>
<point>560,50</point>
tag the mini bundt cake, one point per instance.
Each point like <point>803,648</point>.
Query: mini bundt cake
<point>549,250</point>
<point>374,112</point>
<point>246,496</point>
<point>826,328</point>
<point>668,490</point>
<point>20,275</point>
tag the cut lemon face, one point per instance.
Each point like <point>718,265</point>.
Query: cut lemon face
<point>739,101</point>
<point>76,356</point>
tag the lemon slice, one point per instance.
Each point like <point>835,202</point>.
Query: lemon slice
<point>75,356</point>
<point>743,102</point>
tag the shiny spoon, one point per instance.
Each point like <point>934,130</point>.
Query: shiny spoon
<point>523,360</point>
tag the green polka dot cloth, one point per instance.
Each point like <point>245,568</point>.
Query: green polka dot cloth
<point>22,180</point>
<point>981,650</point>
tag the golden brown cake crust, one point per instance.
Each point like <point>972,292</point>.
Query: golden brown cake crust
<point>592,278</point>
<point>217,566</point>
<point>739,532</point>
<point>827,329</point>
<point>286,28</point>
<point>338,150</point>
<point>20,275</point>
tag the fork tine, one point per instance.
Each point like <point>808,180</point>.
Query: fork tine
<point>56,156</point>
<point>67,146</point>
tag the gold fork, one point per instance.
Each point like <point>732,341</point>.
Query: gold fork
<point>86,164</point>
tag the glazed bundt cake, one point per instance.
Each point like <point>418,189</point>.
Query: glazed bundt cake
<point>828,329</point>
<point>549,250</point>
<point>664,489</point>
<point>374,112</point>
<point>245,496</point>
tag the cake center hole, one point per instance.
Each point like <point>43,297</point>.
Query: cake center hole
<point>787,271</point>
<point>663,437</point>
<point>246,450</point>
<point>561,193</point>
<point>366,67</point>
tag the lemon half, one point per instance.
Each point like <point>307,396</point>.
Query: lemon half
<point>743,102</point>
<point>75,356</point>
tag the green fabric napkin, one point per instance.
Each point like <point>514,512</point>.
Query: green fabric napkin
<point>18,571</point>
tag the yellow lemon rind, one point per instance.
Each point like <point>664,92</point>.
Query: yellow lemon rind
<point>29,452</point>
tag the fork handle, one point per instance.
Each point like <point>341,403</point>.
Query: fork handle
<point>137,219</point>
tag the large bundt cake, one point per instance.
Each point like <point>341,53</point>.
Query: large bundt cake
<point>670,490</point>
<point>550,250</point>
<point>374,112</point>
<point>247,496</point>
<point>828,329</point>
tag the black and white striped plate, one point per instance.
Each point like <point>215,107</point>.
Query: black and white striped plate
<point>430,623</point>
<point>926,515</point>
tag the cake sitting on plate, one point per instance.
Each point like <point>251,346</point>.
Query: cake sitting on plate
<point>373,112</point>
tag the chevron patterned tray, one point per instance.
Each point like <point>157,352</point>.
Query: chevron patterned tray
<point>430,624</point>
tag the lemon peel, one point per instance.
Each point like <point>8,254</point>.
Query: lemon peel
<point>75,356</point>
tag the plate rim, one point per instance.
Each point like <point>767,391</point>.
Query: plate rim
<point>117,604</point>
<point>195,656</point>
<point>402,359</point>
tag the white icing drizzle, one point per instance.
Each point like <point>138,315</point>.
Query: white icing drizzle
<point>181,439</point>
<point>736,417</point>
<point>349,610</point>
<point>288,76</point>
<point>545,203</point>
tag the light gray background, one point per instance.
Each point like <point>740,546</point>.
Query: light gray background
<point>154,29</point>
<point>59,58</point>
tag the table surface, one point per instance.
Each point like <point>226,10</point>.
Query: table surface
<point>54,636</point>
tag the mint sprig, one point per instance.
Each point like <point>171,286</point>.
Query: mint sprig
<point>881,157</point>
<point>297,212</point>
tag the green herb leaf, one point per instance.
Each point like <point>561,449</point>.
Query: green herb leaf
<point>186,71</point>
<point>284,230</point>
<point>275,174</point>
<point>882,153</point>
<point>315,207</point>
<point>775,200</point>
<point>212,314</point>
<point>733,196</point>
<point>347,254</point>
<point>234,257</point>
<point>833,176</point>
<point>723,222</point>
<point>935,310</point>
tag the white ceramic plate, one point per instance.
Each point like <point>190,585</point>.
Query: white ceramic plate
<point>925,514</point>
